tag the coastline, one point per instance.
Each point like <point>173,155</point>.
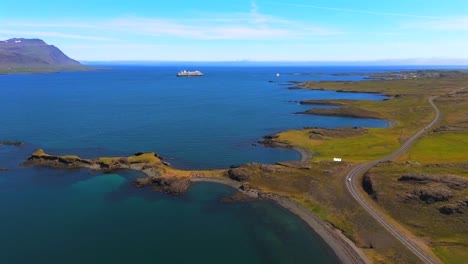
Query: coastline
<point>344,249</point>
<point>164,178</point>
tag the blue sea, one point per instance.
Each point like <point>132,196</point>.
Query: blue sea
<point>214,121</point>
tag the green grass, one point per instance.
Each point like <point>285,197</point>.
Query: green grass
<point>440,148</point>
<point>448,233</point>
<point>452,254</point>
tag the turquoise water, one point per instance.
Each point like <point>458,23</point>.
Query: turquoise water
<point>76,216</point>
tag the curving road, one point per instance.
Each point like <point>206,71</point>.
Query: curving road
<point>353,187</point>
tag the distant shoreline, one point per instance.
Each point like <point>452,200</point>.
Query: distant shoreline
<point>39,70</point>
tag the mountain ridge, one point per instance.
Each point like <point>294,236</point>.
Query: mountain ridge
<point>33,55</point>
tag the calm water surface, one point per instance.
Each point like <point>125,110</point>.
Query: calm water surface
<point>75,216</point>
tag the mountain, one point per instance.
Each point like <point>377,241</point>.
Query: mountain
<point>33,55</point>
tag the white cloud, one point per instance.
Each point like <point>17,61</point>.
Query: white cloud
<point>115,46</point>
<point>160,27</point>
<point>16,33</point>
<point>361,11</point>
<point>251,25</point>
<point>446,23</point>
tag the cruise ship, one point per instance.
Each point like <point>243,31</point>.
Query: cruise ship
<point>189,73</point>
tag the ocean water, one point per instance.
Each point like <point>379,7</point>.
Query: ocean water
<point>210,122</point>
<point>77,216</point>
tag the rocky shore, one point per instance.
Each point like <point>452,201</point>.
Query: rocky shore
<point>162,177</point>
<point>344,111</point>
<point>272,141</point>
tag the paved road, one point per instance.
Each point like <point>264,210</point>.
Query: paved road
<point>352,184</point>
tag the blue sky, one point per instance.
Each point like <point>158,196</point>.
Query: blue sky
<point>260,30</point>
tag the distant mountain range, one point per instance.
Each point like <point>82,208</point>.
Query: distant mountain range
<point>33,55</point>
<point>417,62</point>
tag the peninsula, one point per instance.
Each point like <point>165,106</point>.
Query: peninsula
<point>412,174</point>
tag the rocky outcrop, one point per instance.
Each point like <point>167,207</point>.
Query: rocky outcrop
<point>451,181</point>
<point>238,197</point>
<point>161,176</point>
<point>12,143</point>
<point>58,162</point>
<point>345,111</point>
<point>240,174</point>
<point>142,161</point>
<point>143,182</point>
<point>460,207</point>
<point>431,195</point>
<point>344,132</point>
<point>171,185</point>
<point>271,141</point>
<point>368,186</point>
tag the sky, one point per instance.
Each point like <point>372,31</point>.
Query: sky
<point>238,30</point>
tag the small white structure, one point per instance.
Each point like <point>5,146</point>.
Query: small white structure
<point>277,75</point>
<point>337,159</point>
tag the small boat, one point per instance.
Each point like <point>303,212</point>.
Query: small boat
<point>185,73</point>
<point>277,75</point>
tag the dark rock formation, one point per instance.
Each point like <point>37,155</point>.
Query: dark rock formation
<point>368,186</point>
<point>451,209</point>
<point>238,197</point>
<point>171,185</point>
<point>143,182</point>
<point>59,162</point>
<point>240,174</point>
<point>344,132</point>
<point>451,181</point>
<point>12,143</point>
<point>433,194</point>
<point>459,207</point>
<point>344,111</point>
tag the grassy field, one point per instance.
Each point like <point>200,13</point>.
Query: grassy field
<point>409,111</point>
<point>407,114</point>
<point>446,234</point>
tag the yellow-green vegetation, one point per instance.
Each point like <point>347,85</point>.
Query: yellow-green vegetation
<point>40,152</point>
<point>448,233</point>
<point>373,145</point>
<point>407,114</point>
<point>70,157</point>
<point>408,111</point>
<point>454,254</point>
<point>448,142</point>
<point>149,158</point>
<point>140,160</point>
